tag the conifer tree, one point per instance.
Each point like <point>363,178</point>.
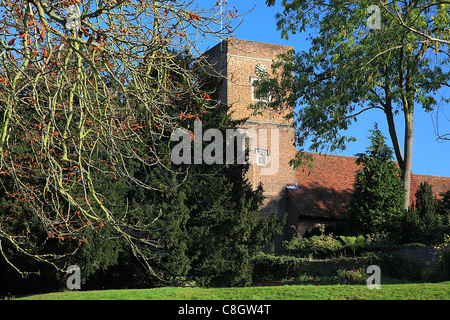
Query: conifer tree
<point>378,196</point>
<point>426,203</point>
<point>425,221</point>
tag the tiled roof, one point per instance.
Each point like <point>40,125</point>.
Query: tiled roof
<point>325,192</point>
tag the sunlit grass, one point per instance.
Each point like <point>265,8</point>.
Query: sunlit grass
<point>416,291</point>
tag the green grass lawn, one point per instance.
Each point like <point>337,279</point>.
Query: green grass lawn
<point>416,291</point>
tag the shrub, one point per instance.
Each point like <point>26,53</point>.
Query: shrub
<point>358,276</point>
<point>426,203</point>
<point>412,226</point>
<point>268,267</point>
<point>396,266</point>
<point>330,246</point>
<point>381,241</point>
<point>353,243</point>
<point>322,246</point>
<point>444,256</point>
<point>288,269</point>
<point>444,205</point>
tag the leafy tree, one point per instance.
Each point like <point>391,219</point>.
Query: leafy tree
<point>87,111</point>
<point>377,200</point>
<point>438,34</point>
<point>354,65</point>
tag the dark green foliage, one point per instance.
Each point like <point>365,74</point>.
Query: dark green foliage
<point>396,265</point>
<point>352,276</point>
<point>328,245</point>
<point>203,224</point>
<point>426,203</point>
<point>378,197</point>
<point>444,205</point>
<point>425,221</point>
<point>227,233</point>
<point>444,255</point>
<point>412,226</point>
<point>343,270</point>
<point>208,227</point>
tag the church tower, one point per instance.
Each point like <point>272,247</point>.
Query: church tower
<point>271,136</point>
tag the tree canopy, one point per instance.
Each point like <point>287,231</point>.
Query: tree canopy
<point>363,56</point>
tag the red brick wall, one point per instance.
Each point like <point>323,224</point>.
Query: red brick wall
<point>278,173</point>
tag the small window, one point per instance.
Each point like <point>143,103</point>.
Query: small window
<point>262,156</point>
<point>255,96</point>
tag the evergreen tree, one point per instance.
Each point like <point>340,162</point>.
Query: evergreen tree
<point>201,224</point>
<point>444,204</point>
<point>426,203</point>
<point>207,226</point>
<point>424,221</point>
<point>377,201</point>
<point>210,225</point>
<point>412,227</point>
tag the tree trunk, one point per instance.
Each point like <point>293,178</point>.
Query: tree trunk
<point>408,111</point>
<point>405,162</point>
<point>408,153</point>
<point>393,134</point>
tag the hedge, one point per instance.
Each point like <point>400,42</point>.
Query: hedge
<point>269,267</point>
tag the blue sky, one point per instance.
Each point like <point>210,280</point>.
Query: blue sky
<point>430,157</point>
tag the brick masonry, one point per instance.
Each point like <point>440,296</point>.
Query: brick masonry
<point>235,60</point>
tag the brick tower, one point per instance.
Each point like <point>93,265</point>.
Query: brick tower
<point>241,62</point>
